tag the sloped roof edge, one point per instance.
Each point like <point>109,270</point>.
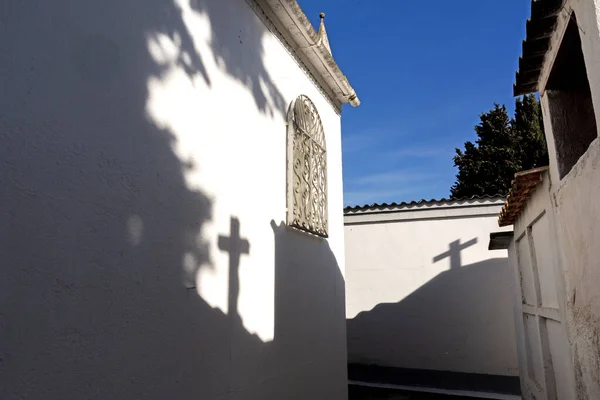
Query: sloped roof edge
<point>309,47</point>
<point>421,203</point>
<point>540,27</point>
<point>523,186</point>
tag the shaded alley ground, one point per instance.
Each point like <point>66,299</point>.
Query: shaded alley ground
<point>359,393</point>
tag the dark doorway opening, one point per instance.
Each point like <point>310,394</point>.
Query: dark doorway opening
<point>570,101</point>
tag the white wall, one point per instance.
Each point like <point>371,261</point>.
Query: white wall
<point>578,212</point>
<point>544,353</point>
<point>131,137</point>
<point>409,305</point>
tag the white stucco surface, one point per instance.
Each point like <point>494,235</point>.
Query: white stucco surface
<point>133,138</point>
<point>575,200</point>
<point>544,353</point>
<point>414,300</point>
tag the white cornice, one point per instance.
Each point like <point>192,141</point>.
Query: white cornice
<point>286,20</point>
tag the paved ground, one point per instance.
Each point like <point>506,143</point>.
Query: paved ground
<point>357,393</point>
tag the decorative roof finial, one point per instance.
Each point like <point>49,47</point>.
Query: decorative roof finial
<point>322,34</point>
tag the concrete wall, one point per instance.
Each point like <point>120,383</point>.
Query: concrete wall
<point>424,291</point>
<point>577,210</point>
<point>135,140</point>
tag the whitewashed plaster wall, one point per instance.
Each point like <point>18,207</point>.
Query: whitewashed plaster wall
<point>131,137</point>
<point>534,261</point>
<point>577,210</point>
<point>414,303</point>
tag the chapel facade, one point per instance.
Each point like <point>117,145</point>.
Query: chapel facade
<point>172,202</point>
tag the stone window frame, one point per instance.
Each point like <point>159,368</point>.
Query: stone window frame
<point>307,196</point>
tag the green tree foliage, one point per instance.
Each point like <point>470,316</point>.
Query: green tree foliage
<point>504,147</point>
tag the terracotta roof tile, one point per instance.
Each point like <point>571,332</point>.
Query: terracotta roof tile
<point>522,186</point>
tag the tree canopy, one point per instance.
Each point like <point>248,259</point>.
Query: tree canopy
<point>504,146</point>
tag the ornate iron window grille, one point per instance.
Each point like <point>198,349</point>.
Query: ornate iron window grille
<point>307,168</point>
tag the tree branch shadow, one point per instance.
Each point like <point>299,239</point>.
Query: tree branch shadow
<point>100,231</point>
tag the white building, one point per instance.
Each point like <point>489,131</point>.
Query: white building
<point>149,152</point>
<point>544,355</point>
<point>556,246</point>
<point>428,304</point>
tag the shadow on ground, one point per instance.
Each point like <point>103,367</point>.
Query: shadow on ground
<point>359,393</point>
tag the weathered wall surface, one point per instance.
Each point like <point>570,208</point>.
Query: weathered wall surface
<point>577,211</point>
<point>541,317</point>
<point>578,221</point>
<point>136,140</point>
<point>424,292</point>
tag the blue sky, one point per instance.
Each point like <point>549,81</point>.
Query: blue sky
<point>424,71</point>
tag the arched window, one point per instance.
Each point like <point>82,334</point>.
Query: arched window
<point>307,168</point>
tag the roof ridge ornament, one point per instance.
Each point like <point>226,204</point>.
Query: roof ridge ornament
<point>322,34</point>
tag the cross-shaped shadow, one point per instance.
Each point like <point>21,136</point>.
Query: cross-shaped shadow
<point>454,253</point>
<point>235,246</point>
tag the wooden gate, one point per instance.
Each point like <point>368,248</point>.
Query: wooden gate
<point>544,351</point>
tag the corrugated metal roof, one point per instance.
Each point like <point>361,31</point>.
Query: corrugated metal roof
<point>422,202</point>
<point>522,187</point>
<point>541,25</point>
